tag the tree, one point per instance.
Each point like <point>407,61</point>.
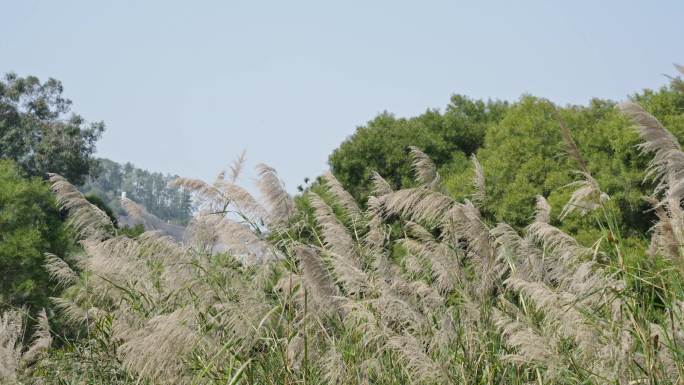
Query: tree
<point>30,225</point>
<point>522,151</point>
<point>37,132</point>
<point>150,189</point>
<point>520,154</point>
<point>524,155</point>
<point>381,145</point>
<point>465,122</point>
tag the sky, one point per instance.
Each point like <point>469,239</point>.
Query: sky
<point>184,87</point>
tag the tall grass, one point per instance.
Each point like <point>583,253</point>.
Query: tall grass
<point>415,288</point>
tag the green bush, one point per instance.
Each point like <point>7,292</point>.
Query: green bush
<point>30,225</point>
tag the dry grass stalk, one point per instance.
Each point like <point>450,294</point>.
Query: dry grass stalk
<point>532,348</point>
<point>342,196</point>
<point>380,186</point>
<point>157,351</point>
<point>376,236</point>
<point>41,340</point>
<point>542,212</point>
<point>479,193</point>
<point>87,219</point>
<point>559,307</point>
<point>335,235</point>
<point>236,167</point>
<point>424,168</point>
<point>668,161</point>
<point>72,313</point>
<point>321,288</point>
<point>421,366</point>
<point>667,167</point>
<point>571,146</point>
<point>418,204</point>
<point>60,272</point>
<point>278,202</point>
<point>586,197</point>
<point>10,344</point>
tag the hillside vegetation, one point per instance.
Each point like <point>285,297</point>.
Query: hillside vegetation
<point>494,243</point>
<point>150,189</point>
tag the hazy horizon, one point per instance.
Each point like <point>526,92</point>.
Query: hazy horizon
<point>184,89</point>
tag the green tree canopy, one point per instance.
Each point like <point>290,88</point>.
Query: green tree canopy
<point>38,131</point>
<point>525,155</point>
<point>381,145</point>
<point>30,225</point>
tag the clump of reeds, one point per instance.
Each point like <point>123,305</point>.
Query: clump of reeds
<point>415,288</point>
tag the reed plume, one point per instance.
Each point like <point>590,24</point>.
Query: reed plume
<point>10,344</point>
<point>422,367</point>
<point>317,280</point>
<point>420,287</point>
<point>60,272</point>
<point>542,210</point>
<point>586,197</point>
<point>336,237</point>
<point>278,202</point>
<point>42,339</point>
<point>667,167</point>
<point>479,194</point>
<point>380,185</point>
<point>342,196</point>
<point>85,218</point>
<point>423,167</point>
<point>157,350</point>
<point>532,348</point>
<point>237,166</point>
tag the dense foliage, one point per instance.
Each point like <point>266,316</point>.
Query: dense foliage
<point>383,143</point>
<point>38,133</point>
<point>526,154</point>
<point>523,151</point>
<point>30,225</point>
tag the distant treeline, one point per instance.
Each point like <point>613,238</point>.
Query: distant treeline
<point>149,189</point>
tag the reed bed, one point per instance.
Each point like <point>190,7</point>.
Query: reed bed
<point>414,287</point>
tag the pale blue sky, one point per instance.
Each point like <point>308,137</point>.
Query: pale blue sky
<point>185,86</point>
